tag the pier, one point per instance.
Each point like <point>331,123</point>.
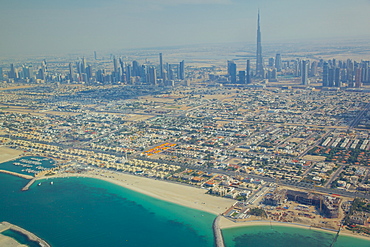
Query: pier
<point>29,235</point>
<point>219,240</point>
<point>29,184</point>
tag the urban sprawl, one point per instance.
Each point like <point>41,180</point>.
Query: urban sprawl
<point>291,144</point>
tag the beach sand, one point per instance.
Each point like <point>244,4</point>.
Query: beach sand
<point>176,193</point>
<point>225,223</point>
<point>7,154</point>
<point>9,242</point>
<point>6,241</point>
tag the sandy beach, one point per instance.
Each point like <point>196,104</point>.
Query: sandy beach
<point>225,223</point>
<point>9,242</point>
<point>6,241</point>
<point>7,154</point>
<point>176,193</point>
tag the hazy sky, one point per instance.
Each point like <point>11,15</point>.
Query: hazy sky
<point>44,26</point>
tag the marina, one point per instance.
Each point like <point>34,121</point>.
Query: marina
<point>28,165</point>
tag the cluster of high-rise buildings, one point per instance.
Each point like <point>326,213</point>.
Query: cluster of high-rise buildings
<point>353,74</point>
<point>26,73</point>
<point>331,73</point>
<point>135,73</point>
<point>132,73</point>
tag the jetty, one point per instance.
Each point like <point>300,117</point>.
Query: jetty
<point>29,235</point>
<point>29,184</point>
<point>219,240</point>
<point>336,236</point>
<point>16,174</point>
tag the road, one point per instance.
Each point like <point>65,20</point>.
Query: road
<point>359,116</point>
<point>298,185</point>
<point>335,175</point>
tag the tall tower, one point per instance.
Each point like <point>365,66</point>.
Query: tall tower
<point>160,66</point>
<point>325,75</point>
<point>248,73</point>
<point>231,71</point>
<point>304,72</point>
<point>71,76</point>
<point>259,59</point>
<point>12,73</point>
<point>278,63</point>
<point>115,64</point>
<point>152,76</point>
<point>182,70</point>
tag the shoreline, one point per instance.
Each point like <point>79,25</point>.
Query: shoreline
<point>31,237</point>
<point>186,196</point>
<point>226,224</point>
<point>9,154</point>
<point>180,194</point>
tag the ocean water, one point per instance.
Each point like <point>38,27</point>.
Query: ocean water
<point>281,236</point>
<point>90,212</point>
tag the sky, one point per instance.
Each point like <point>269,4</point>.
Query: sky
<point>48,26</point>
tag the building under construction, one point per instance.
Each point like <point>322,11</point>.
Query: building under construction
<point>275,199</point>
<point>327,205</point>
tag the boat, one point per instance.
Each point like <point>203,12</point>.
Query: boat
<point>51,182</point>
<point>39,184</point>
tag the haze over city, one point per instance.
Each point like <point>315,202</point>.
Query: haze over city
<point>40,26</point>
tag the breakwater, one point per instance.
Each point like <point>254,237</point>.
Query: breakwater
<point>219,241</point>
<point>29,235</point>
<point>16,174</point>
<point>29,184</point>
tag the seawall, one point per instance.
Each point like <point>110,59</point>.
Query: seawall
<point>29,235</point>
<point>219,240</point>
<point>16,174</point>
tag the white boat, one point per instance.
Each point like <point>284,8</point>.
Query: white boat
<point>51,182</point>
<point>39,184</point>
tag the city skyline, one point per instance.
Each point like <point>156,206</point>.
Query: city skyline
<point>41,26</point>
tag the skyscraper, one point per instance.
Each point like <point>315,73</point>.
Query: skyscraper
<point>182,70</point>
<point>12,73</point>
<point>71,76</point>
<point>115,64</point>
<point>358,77</point>
<point>241,76</point>
<point>231,71</point>
<point>304,72</point>
<point>248,74</point>
<point>152,76</point>
<point>278,63</point>
<point>160,66</point>
<point>83,65</point>
<point>325,75</point>
<point>259,59</point>
<point>337,82</point>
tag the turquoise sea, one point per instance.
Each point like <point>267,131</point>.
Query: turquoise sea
<point>90,212</point>
<point>279,236</point>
